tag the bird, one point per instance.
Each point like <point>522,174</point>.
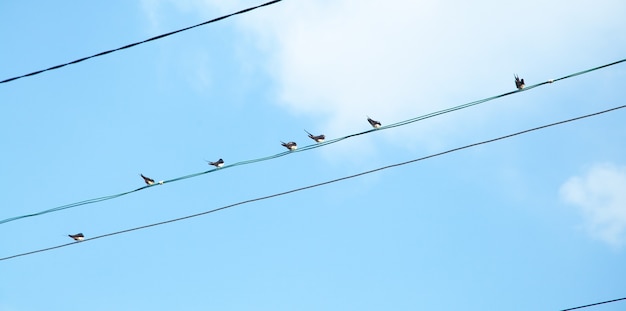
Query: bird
<point>218,163</point>
<point>375,124</point>
<point>290,145</point>
<point>149,181</point>
<point>77,236</point>
<point>318,138</point>
<point>519,83</point>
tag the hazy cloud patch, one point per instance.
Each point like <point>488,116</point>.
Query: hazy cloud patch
<point>600,195</point>
<point>338,61</point>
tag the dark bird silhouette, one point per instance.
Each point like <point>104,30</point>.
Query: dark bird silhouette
<point>318,138</point>
<point>149,181</point>
<point>519,83</point>
<point>77,236</point>
<point>290,145</point>
<point>218,163</point>
<point>373,123</point>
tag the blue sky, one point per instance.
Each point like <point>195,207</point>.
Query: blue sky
<point>535,222</point>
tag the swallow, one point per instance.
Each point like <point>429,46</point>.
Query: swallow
<point>375,124</point>
<point>149,181</point>
<point>77,236</point>
<point>218,163</point>
<point>519,83</point>
<point>318,138</point>
<point>290,145</point>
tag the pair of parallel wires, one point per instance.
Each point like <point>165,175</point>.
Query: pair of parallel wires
<point>334,181</point>
<point>318,184</point>
<point>308,147</point>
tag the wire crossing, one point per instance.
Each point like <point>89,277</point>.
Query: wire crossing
<point>306,148</point>
<point>141,42</point>
<point>321,184</point>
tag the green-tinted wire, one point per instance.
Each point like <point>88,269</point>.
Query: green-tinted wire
<point>317,145</point>
<point>62,207</point>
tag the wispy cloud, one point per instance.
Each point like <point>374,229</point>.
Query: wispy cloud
<point>600,195</point>
<point>151,10</point>
<point>338,61</point>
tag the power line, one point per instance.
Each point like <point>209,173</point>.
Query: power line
<point>305,148</point>
<point>141,42</point>
<point>595,304</point>
<point>505,94</point>
<point>319,184</point>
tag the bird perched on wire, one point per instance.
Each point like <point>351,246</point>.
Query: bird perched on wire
<point>149,181</point>
<point>218,163</point>
<point>290,145</point>
<point>77,236</point>
<point>318,138</point>
<point>519,83</point>
<point>373,123</point>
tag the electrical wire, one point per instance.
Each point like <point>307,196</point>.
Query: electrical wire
<point>141,42</point>
<point>594,304</point>
<point>305,148</point>
<point>318,184</point>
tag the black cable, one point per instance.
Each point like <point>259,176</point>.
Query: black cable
<point>140,42</point>
<point>316,185</point>
<point>594,304</point>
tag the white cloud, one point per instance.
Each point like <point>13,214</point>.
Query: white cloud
<point>600,195</point>
<point>343,59</point>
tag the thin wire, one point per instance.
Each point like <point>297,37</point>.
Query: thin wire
<point>140,42</point>
<point>594,304</point>
<point>319,184</point>
<point>59,208</point>
<point>305,148</point>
